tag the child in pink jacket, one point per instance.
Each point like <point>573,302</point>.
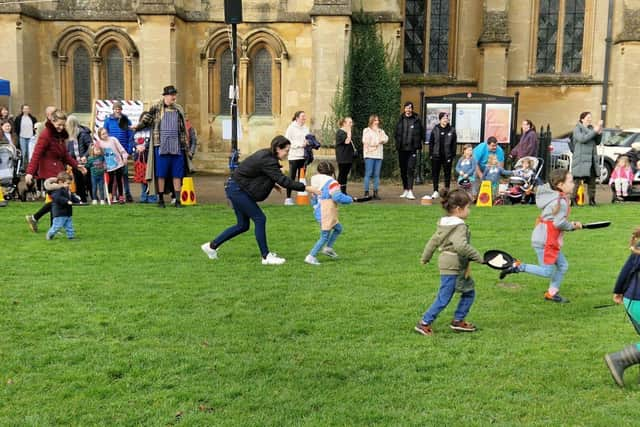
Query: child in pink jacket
<point>622,177</point>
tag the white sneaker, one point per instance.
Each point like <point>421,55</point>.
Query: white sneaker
<point>329,252</point>
<point>288,201</point>
<point>435,195</point>
<point>272,259</point>
<point>94,202</point>
<point>102,202</point>
<point>404,194</point>
<point>310,259</point>
<point>211,253</point>
<point>410,195</point>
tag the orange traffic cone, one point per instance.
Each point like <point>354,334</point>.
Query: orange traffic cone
<point>484,196</point>
<point>302,197</point>
<point>188,193</point>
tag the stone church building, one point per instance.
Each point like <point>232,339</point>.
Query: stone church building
<point>292,55</point>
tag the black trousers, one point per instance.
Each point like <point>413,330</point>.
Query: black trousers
<point>116,181</point>
<point>436,165</point>
<point>81,184</point>
<point>407,160</point>
<point>343,175</point>
<point>294,172</point>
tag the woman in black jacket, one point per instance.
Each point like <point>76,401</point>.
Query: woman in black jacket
<point>250,183</point>
<point>345,151</point>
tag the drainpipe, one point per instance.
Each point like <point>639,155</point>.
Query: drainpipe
<point>607,61</point>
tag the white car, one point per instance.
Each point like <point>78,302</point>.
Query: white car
<point>612,147</point>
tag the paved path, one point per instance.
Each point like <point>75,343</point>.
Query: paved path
<point>210,189</point>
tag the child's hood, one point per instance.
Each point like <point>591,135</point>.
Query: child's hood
<point>546,195</point>
<point>51,184</point>
<point>319,180</point>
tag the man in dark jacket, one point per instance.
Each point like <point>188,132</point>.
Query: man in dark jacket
<point>409,140</point>
<point>442,150</point>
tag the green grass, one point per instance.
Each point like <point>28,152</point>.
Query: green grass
<point>133,325</point>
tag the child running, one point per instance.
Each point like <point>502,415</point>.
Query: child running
<point>627,291</point>
<point>452,240</point>
<point>61,206</point>
<point>547,236</point>
<point>325,209</point>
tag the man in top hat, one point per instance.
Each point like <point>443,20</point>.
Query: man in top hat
<point>119,126</point>
<point>169,142</point>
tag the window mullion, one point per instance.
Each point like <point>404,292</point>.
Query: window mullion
<point>560,36</point>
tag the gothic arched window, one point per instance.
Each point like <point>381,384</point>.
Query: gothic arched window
<point>262,82</point>
<point>81,81</point>
<point>114,73</point>
<point>226,80</point>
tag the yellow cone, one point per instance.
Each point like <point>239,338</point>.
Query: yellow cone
<point>302,198</point>
<point>484,196</point>
<point>580,194</point>
<point>188,193</point>
<point>3,202</point>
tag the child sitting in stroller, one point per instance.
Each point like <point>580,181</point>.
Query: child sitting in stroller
<point>523,180</point>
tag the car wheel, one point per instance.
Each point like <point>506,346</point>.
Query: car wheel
<point>605,173</point>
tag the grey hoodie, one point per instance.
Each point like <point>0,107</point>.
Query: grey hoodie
<point>452,239</point>
<point>554,208</point>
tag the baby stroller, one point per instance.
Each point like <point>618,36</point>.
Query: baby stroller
<point>10,160</point>
<point>521,185</point>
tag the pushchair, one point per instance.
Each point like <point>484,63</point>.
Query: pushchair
<point>10,161</point>
<point>521,185</point>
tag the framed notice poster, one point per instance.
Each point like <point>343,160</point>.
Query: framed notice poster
<point>497,122</point>
<point>468,122</point>
<point>433,110</point>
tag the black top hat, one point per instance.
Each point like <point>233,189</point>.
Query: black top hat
<point>169,90</point>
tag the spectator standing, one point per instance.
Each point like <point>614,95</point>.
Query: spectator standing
<point>409,140</point>
<point>119,126</point>
<point>585,164</point>
<point>442,150</point>
<point>170,144</point>
<point>296,133</point>
<point>528,145</point>
<point>25,129</point>
<point>345,151</point>
<point>78,147</point>
<point>373,140</point>
<point>5,115</point>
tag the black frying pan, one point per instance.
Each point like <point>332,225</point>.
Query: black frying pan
<point>598,224</point>
<point>493,259</point>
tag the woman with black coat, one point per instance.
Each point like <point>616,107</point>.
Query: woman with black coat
<point>345,151</point>
<point>250,183</point>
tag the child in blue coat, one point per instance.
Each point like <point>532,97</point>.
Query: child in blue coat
<point>325,209</point>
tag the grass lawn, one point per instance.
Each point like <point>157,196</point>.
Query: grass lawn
<point>131,324</point>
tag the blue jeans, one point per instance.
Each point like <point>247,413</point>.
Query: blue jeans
<point>555,271</point>
<point>327,237</point>
<point>372,167</point>
<point>245,208</point>
<point>445,293</point>
<point>61,222</point>
<point>97,187</point>
<point>24,148</point>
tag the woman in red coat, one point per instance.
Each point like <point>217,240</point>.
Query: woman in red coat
<point>50,157</point>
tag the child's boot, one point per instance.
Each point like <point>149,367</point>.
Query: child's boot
<point>621,360</point>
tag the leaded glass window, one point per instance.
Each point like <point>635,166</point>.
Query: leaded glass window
<point>573,36</point>
<point>262,82</point>
<point>115,74</point>
<point>414,36</point>
<point>439,37</point>
<point>226,81</point>
<point>81,81</point>
<point>547,36</point>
